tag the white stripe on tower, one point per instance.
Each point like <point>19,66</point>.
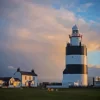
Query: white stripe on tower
<point>76,59</point>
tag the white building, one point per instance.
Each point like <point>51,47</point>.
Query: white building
<point>28,79</point>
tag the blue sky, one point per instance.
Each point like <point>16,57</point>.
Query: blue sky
<point>92,12</point>
<point>34,33</point>
<point>94,57</point>
<point>88,9</point>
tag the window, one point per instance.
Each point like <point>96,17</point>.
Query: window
<point>25,77</point>
<point>33,78</point>
<point>11,81</point>
<point>98,78</point>
<point>1,82</point>
<point>29,77</point>
<point>75,31</point>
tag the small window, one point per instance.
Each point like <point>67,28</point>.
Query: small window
<point>11,82</point>
<point>33,78</point>
<point>29,77</point>
<point>75,31</point>
<point>25,77</point>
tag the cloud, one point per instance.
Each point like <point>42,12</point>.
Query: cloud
<point>36,36</point>
<point>94,71</point>
<point>84,7</point>
<point>11,67</point>
<point>87,5</point>
<point>93,66</point>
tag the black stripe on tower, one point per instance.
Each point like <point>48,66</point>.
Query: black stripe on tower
<point>76,50</point>
<point>76,69</point>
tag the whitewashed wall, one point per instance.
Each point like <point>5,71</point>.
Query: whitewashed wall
<point>71,78</point>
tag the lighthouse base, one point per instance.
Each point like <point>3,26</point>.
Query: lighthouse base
<point>74,80</point>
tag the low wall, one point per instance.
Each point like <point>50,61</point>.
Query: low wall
<point>56,86</point>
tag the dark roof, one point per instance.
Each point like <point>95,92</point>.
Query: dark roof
<point>28,73</point>
<point>8,78</point>
<point>17,79</point>
<point>5,78</point>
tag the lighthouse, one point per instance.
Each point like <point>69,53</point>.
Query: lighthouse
<point>75,72</point>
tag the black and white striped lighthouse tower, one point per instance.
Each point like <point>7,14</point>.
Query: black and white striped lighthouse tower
<point>76,61</point>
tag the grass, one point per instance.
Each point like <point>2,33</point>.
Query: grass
<point>40,94</point>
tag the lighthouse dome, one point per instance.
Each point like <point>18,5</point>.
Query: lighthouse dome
<point>75,27</point>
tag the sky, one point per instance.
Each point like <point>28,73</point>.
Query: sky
<point>34,34</point>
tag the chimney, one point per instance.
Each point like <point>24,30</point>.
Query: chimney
<point>32,70</point>
<point>18,69</point>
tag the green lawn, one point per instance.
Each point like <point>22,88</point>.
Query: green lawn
<point>39,94</point>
